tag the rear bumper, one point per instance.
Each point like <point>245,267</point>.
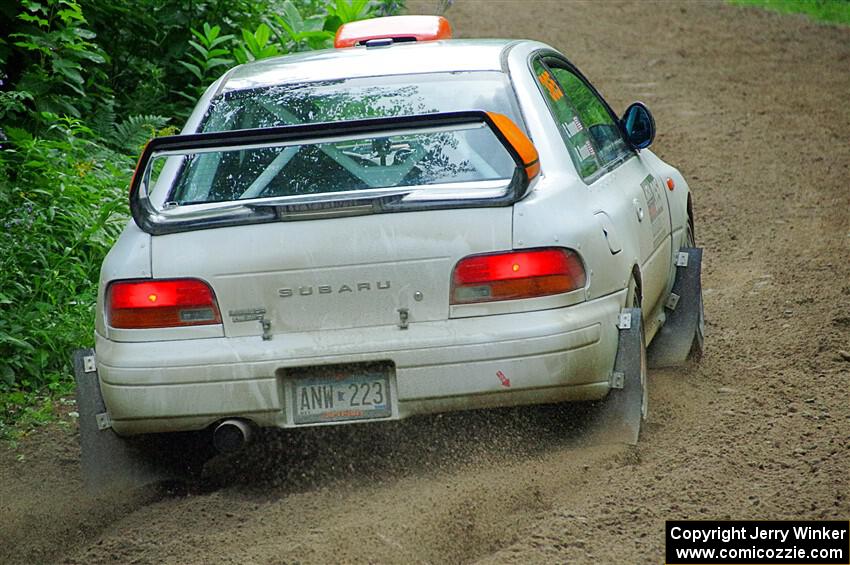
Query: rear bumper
<point>548,356</point>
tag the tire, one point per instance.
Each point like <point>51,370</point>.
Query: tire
<point>179,456</point>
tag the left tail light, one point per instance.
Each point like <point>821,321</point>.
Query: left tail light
<point>516,275</point>
<point>161,304</point>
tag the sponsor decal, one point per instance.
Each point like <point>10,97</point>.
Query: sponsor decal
<point>555,92</point>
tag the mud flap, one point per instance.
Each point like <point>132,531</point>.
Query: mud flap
<point>622,412</point>
<point>674,340</point>
<point>108,461</point>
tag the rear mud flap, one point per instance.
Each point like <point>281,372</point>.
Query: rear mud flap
<point>108,461</point>
<point>674,340</point>
<point>620,415</point>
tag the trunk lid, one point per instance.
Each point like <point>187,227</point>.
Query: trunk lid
<point>338,273</point>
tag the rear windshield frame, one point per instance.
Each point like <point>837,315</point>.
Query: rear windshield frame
<point>456,155</point>
<point>155,222</point>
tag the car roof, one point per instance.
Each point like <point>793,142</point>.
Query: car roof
<point>404,58</point>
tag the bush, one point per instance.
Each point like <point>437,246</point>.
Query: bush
<point>62,203</point>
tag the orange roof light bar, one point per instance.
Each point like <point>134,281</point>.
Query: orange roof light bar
<point>397,28</point>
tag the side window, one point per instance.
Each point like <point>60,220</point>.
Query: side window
<point>606,136</point>
<point>590,133</point>
<point>572,128</point>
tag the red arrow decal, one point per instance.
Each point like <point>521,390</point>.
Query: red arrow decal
<point>506,382</point>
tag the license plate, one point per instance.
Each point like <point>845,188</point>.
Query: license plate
<point>341,393</point>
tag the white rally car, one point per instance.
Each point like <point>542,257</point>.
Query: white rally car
<point>405,224</point>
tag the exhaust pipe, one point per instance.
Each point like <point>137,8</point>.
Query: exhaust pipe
<point>231,435</point>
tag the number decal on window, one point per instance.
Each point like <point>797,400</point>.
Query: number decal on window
<point>552,87</point>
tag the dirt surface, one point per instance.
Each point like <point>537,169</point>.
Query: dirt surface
<point>752,107</point>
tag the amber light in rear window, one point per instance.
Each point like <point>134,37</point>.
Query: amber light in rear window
<point>161,304</point>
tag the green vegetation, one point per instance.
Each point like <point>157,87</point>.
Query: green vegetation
<point>79,97</point>
<point>833,11</point>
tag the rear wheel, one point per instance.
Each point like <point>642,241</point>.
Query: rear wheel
<point>180,456</point>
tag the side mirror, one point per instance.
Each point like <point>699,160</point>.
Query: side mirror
<point>638,125</point>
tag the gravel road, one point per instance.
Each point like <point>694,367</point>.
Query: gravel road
<point>753,108</point>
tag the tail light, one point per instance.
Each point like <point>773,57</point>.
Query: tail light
<point>161,304</point>
<point>521,274</point>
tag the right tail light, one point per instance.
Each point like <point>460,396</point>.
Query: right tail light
<point>515,275</point>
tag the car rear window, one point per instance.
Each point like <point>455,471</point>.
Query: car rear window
<point>438,160</point>
<point>472,156</point>
<point>361,98</point>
